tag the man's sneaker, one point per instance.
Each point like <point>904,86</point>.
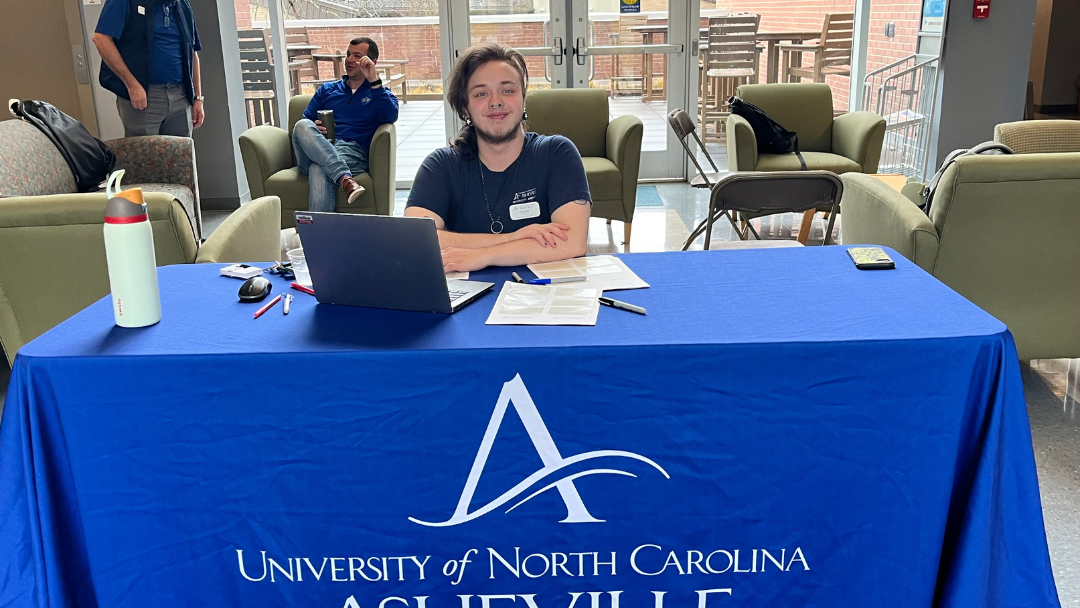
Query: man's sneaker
<point>351,188</point>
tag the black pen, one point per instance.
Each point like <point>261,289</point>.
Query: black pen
<point>622,305</point>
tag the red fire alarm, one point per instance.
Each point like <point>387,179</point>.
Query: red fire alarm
<point>981,10</point>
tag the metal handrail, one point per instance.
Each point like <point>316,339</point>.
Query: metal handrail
<point>885,84</point>
<point>888,67</point>
<point>903,92</point>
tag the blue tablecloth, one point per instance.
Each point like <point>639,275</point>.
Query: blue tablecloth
<point>780,430</point>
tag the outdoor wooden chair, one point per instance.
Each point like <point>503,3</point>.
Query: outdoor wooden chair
<point>392,72</point>
<point>257,74</point>
<point>730,60</point>
<point>634,82</point>
<point>832,52</point>
<point>301,64</point>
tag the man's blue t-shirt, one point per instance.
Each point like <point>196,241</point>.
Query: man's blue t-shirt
<point>548,172</point>
<point>166,67</point>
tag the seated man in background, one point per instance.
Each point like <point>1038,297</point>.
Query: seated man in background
<point>500,196</point>
<point>360,104</point>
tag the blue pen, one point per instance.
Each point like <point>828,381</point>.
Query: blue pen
<point>558,280</point>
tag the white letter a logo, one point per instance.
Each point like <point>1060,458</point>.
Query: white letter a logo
<point>576,512</point>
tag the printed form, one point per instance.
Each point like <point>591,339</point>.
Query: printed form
<point>520,304</point>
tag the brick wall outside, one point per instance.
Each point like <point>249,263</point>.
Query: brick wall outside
<point>419,43</point>
<point>794,15</point>
<point>243,14</point>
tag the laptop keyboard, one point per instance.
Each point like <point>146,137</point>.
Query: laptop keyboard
<point>456,294</point>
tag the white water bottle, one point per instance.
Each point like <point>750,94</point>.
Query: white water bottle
<point>129,250</point>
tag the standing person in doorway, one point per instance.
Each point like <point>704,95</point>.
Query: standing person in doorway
<point>149,58</point>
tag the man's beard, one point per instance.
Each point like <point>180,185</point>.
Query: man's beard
<point>495,140</point>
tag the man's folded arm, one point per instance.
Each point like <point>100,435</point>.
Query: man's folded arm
<point>529,251</point>
<point>457,239</point>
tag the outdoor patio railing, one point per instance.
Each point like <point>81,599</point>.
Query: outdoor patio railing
<point>903,92</point>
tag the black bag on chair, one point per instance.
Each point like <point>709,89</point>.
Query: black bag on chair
<point>88,157</point>
<point>771,136</point>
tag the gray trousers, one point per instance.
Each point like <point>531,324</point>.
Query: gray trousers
<point>167,113</point>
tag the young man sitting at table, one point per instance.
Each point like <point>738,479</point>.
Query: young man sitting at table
<point>500,196</point>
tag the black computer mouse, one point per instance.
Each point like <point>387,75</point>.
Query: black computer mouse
<point>255,289</point>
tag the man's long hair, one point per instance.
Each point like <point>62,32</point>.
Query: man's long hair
<point>457,92</point>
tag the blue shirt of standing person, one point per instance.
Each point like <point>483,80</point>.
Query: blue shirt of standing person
<point>149,51</point>
<point>360,103</point>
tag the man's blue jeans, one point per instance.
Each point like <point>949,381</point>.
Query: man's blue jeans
<point>325,163</point>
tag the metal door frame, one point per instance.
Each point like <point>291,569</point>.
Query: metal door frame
<point>568,31</point>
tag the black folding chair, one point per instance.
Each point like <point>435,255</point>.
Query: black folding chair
<point>755,194</point>
<point>683,126</point>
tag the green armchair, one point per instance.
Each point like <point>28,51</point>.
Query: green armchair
<point>52,253</point>
<point>271,170</point>
<point>1002,232</point>
<point>842,144</point>
<point>610,151</point>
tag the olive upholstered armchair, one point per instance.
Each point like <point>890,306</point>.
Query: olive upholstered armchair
<point>610,150</point>
<point>1002,232</point>
<point>52,253</point>
<point>841,144</point>
<point>271,170</point>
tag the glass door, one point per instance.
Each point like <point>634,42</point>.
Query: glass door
<point>578,44</point>
<point>535,28</point>
<point>647,62</point>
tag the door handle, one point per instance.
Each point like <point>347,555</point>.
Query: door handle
<point>557,58</point>
<point>580,50</point>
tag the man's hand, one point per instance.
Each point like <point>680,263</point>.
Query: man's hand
<point>548,235</point>
<point>138,96</point>
<point>367,68</point>
<point>455,259</point>
<point>198,114</point>
<point>318,125</point>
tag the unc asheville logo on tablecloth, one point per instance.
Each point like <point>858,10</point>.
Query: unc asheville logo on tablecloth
<point>576,511</point>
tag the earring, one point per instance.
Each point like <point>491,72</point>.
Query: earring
<point>525,115</point>
<point>468,122</point>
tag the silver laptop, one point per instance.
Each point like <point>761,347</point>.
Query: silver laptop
<point>380,262</point>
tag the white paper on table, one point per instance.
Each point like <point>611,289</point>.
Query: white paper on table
<point>603,272</point>
<point>457,275</point>
<point>566,304</point>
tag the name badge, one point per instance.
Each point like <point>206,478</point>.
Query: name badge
<point>524,211</point>
<point>142,10</point>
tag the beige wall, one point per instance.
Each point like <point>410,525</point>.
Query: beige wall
<point>35,54</point>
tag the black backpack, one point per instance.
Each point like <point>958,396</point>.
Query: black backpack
<point>987,147</point>
<point>88,157</point>
<point>771,136</point>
